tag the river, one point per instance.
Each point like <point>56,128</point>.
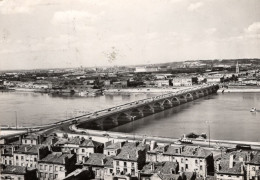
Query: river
<point>225,116</point>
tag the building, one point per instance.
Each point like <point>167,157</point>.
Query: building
<point>153,170</point>
<point>56,165</point>
<point>253,166</point>
<point>113,149</point>
<point>130,160</point>
<point>81,146</point>
<point>100,165</point>
<point>17,173</point>
<point>7,155</point>
<point>231,165</point>
<point>28,155</point>
<point>182,81</point>
<point>31,139</point>
<point>190,158</point>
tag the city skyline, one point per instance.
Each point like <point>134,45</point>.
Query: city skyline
<point>108,33</point>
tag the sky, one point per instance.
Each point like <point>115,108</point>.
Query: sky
<point>72,33</point>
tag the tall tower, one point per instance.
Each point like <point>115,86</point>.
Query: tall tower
<point>237,68</point>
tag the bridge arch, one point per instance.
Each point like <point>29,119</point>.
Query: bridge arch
<point>167,104</point>
<point>175,101</point>
<point>189,97</point>
<point>182,99</point>
<point>195,95</point>
<point>109,123</point>
<point>158,106</point>
<point>123,118</point>
<point>148,110</point>
<point>201,93</point>
<point>136,114</point>
<point>206,92</point>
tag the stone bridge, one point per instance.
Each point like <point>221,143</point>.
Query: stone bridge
<point>116,116</point>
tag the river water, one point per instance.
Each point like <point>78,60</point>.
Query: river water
<point>226,116</point>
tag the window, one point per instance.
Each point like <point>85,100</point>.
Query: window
<point>117,163</point>
<point>51,176</point>
<point>32,141</point>
<point>253,168</point>
<point>19,178</point>
<point>25,141</point>
<point>35,159</point>
<point>10,162</point>
<point>125,170</point>
<point>56,168</point>
<point>125,164</point>
<point>196,161</point>
<point>182,169</point>
<point>201,168</point>
<point>176,151</point>
<point>41,167</point>
<point>55,176</point>
<point>16,157</point>
<point>186,166</point>
<point>21,164</point>
<point>22,158</point>
<point>111,171</point>
<point>61,168</point>
<point>132,171</point>
<point>83,150</point>
<point>182,160</point>
<point>108,153</point>
<point>50,168</point>
<point>201,160</point>
<point>132,164</point>
<point>45,167</point>
<point>117,170</point>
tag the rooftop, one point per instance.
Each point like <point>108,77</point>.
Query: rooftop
<point>14,170</point>
<point>99,159</point>
<point>56,158</point>
<point>28,149</point>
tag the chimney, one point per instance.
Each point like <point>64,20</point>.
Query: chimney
<point>25,149</point>
<point>242,168</point>
<point>122,144</point>
<point>153,145</point>
<point>152,167</point>
<point>20,139</point>
<point>231,161</point>
<point>137,153</point>
<point>218,166</point>
<point>144,142</point>
<point>165,148</point>
<point>249,156</point>
<point>128,156</point>
<point>65,159</point>
<point>103,161</point>
<point>171,171</point>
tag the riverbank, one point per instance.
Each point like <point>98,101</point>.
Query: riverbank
<point>245,89</point>
<point>145,90</point>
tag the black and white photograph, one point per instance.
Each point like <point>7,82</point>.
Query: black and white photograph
<point>130,89</point>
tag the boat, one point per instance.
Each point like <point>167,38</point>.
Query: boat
<point>253,110</point>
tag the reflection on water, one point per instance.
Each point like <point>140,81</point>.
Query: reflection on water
<point>228,113</point>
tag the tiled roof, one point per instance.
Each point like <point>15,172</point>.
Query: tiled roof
<point>56,158</point>
<point>28,149</point>
<point>162,167</point>
<point>99,159</point>
<point>116,145</point>
<point>188,151</point>
<point>236,169</point>
<point>159,149</point>
<point>31,136</point>
<point>255,158</point>
<point>129,151</point>
<point>8,151</point>
<point>50,139</point>
<point>78,141</point>
<point>236,154</point>
<point>14,170</point>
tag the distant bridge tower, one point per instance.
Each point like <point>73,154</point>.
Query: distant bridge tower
<point>237,68</point>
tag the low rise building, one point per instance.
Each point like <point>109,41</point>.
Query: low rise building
<point>130,160</point>
<point>100,164</point>
<point>17,173</point>
<point>56,165</point>
<point>253,166</point>
<point>28,155</point>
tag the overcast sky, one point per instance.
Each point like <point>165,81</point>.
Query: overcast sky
<point>73,33</point>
